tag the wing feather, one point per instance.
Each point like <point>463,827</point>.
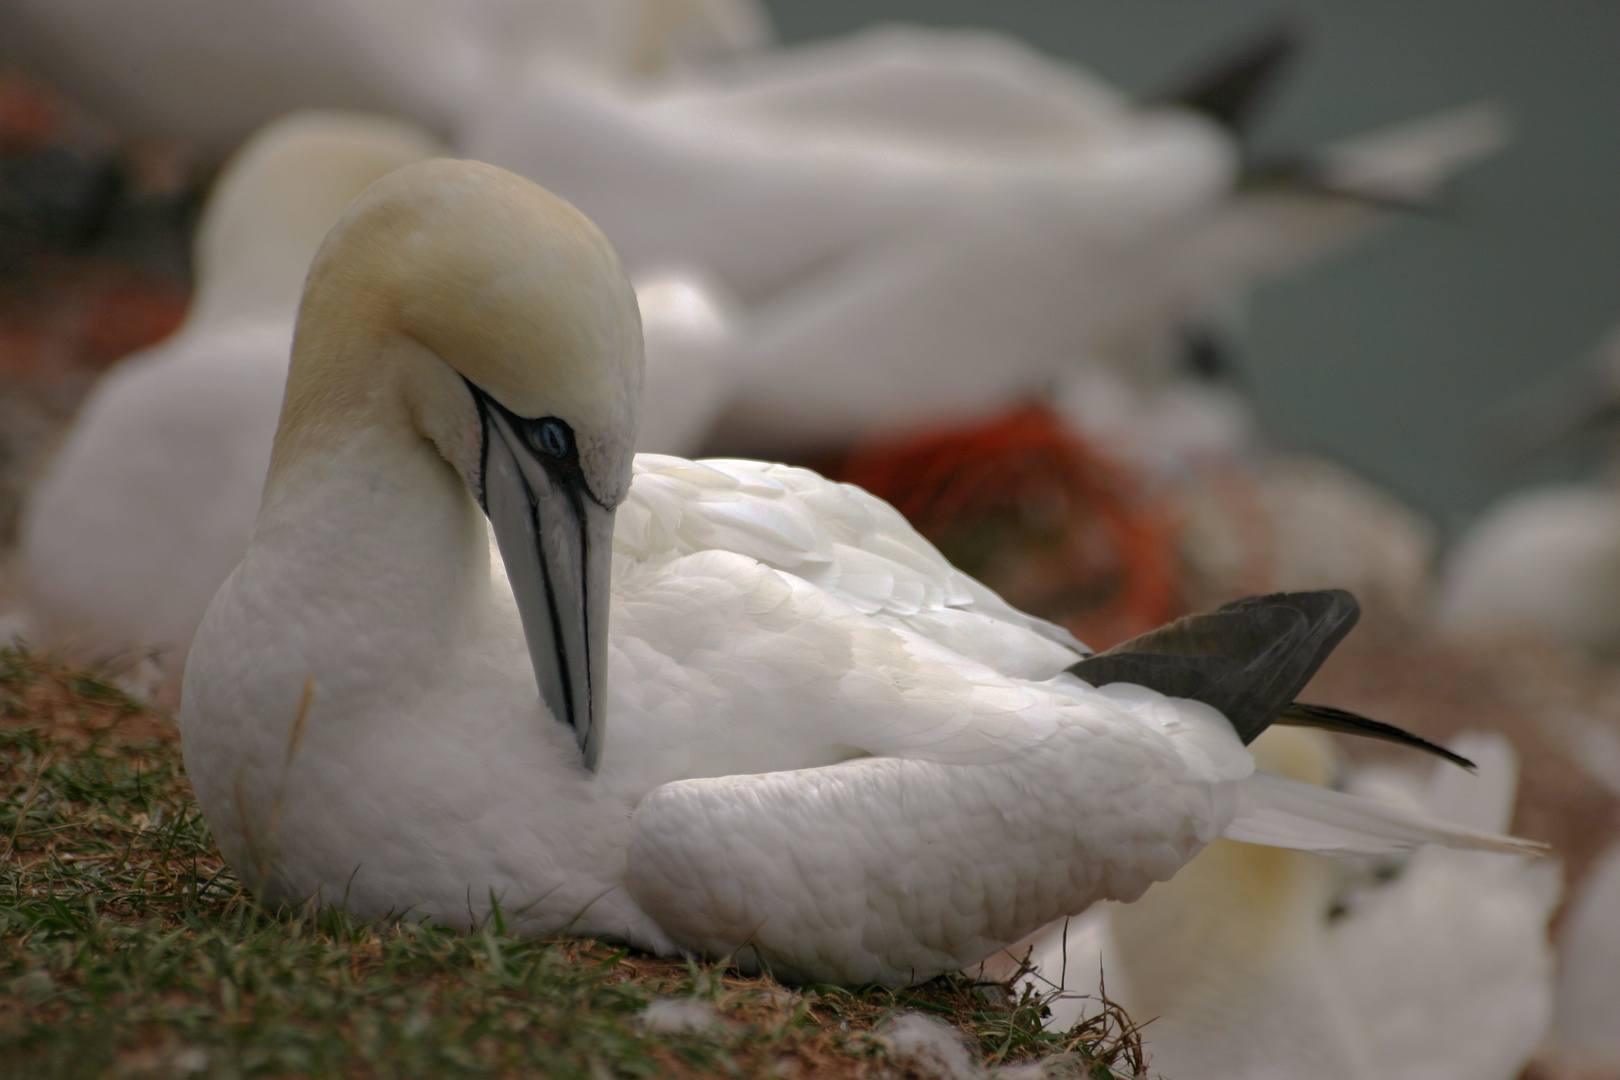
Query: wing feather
<point>846,542</point>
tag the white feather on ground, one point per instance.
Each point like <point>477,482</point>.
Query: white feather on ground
<point>681,1015</point>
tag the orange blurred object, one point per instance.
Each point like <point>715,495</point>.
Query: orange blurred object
<point>72,298</point>
<point>68,327</point>
<point>29,114</point>
<point>1032,510</point>
<point>128,315</point>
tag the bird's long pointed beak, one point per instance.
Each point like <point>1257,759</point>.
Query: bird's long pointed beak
<point>557,543</point>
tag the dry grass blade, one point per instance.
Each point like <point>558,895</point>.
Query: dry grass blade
<point>264,854</point>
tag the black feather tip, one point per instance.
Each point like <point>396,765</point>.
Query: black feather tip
<point>1344,722</point>
<point>1232,89</point>
<point>1249,659</point>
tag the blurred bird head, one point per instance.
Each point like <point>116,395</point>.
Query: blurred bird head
<point>279,194</point>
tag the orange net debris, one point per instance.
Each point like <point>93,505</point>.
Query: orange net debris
<point>1035,512</point>
<point>29,114</point>
<point>75,294</point>
<point>73,320</point>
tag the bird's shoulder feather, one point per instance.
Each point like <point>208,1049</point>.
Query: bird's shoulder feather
<point>843,541</point>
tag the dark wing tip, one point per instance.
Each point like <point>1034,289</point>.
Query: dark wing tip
<point>1248,659</point>
<point>1231,90</point>
<point>1335,603</point>
<point>1345,722</point>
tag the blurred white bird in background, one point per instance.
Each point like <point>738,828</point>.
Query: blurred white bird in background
<point>151,498</point>
<point>1546,561</point>
<point>930,224</point>
<point>1257,963</point>
<point>209,73</point>
<point>1188,296</point>
<point>692,326</point>
<point>884,204</point>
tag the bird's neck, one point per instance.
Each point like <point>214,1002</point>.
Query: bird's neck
<point>360,508</point>
<point>346,384</point>
<point>383,559</point>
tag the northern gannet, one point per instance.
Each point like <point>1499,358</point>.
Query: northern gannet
<point>150,502</point>
<point>726,707</point>
<point>1546,560</point>
<point>1260,964</point>
<point>928,224</point>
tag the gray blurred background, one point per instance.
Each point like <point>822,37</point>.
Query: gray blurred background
<point>1396,357</point>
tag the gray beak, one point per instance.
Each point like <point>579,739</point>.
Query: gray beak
<point>557,543</point>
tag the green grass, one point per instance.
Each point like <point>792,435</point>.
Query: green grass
<point>127,948</point>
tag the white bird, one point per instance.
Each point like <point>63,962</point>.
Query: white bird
<point>1258,963</point>
<point>1586,1024</point>
<point>1546,561</point>
<point>1543,562</point>
<point>211,73</point>
<point>928,224</point>
<point>150,501</point>
<point>728,708</point>
<point>918,219</point>
<point>692,326</point>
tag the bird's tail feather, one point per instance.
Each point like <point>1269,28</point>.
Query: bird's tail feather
<point>1280,812</point>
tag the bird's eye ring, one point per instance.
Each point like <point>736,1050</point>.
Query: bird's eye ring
<point>550,437</point>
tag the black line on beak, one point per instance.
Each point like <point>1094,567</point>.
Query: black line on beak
<point>548,441</point>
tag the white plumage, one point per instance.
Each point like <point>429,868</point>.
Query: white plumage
<point>818,746</point>
<point>928,224</point>
<point>211,73</point>
<point>1544,561</point>
<point>1256,963</point>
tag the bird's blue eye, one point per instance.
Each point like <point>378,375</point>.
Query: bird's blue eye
<point>551,437</point>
